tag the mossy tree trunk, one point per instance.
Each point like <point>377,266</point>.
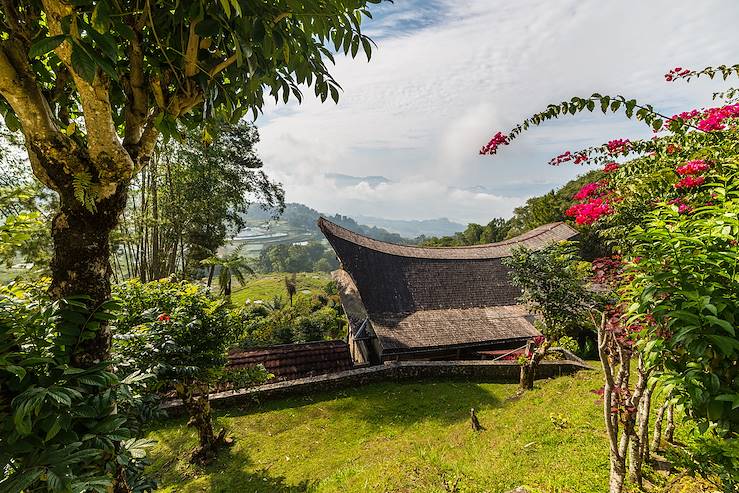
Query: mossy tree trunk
<point>194,398</point>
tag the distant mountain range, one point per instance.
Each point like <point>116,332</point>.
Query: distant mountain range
<point>393,230</point>
<point>412,228</point>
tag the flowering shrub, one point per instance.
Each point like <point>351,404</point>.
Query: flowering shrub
<point>590,211</point>
<point>180,333</point>
<point>673,208</point>
<point>693,167</point>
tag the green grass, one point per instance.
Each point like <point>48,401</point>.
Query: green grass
<point>267,286</point>
<point>403,437</point>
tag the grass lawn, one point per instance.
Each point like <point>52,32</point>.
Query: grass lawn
<point>267,286</point>
<point>403,437</point>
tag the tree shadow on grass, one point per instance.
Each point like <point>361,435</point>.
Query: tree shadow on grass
<point>226,473</point>
<point>254,482</point>
<point>403,403</point>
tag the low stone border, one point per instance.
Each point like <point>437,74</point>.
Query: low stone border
<point>489,371</point>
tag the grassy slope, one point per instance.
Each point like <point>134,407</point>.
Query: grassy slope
<point>267,286</point>
<point>403,437</point>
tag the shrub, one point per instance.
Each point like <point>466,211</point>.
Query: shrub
<point>180,333</point>
<point>63,428</point>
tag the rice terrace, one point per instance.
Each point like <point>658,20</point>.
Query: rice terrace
<point>369,246</point>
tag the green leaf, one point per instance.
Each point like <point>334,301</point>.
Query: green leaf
<point>721,323</point>
<point>44,45</point>
<point>83,64</point>
<point>101,16</point>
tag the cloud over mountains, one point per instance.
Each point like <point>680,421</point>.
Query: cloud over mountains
<point>402,142</point>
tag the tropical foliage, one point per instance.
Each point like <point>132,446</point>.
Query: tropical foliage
<point>179,333</point>
<point>669,207</point>
<point>64,428</point>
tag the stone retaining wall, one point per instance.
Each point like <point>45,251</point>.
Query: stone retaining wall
<point>488,371</point>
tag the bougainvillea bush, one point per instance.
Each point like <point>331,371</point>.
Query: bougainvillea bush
<point>668,208</point>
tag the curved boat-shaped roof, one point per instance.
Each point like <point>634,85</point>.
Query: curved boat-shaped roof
<point>420,298</point>
<point>534,239</point>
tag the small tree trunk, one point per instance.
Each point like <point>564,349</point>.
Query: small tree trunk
<point>657,437</point>
<point>210,274</point>
<point>195,400</point>
<point>81,262</point>
<point>670,431</point>
<point>528,369</point>
<point>617,475</point>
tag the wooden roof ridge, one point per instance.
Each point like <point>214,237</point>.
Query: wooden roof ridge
<point>534,239</point>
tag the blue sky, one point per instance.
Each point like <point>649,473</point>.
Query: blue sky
<point>447,74</point>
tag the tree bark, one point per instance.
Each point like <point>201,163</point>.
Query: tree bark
<point>670,431</point>
<point>528,369</point>
<point>657,437</point>
<point>617,475</point>
<point>81,261</point>
<point>195,400</point>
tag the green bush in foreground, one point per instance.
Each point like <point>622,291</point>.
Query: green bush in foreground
<point>179,332</point>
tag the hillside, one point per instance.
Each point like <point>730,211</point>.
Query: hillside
<point>407,437</point>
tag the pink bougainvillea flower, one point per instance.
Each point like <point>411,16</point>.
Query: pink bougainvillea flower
<point>676,73</point>
<point>588,190</point>
<point>693,167</point>
<point>492,147</point>
<point>690,182</point>
<point>610,167</point>
<point>591,211</point>
<point>618,146</point>
<point>714,118</point>
<point>567,156</point>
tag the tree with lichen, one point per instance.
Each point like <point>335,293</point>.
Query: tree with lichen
<point>93,85</point>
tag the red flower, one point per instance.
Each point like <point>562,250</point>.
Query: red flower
<point>690,182</point>
<point>610,167</point>
<point>589,212</point>
<point>713,118</point>
<point>566,156</point>
<point>693,167</point>
<point>588,190</point>
<point>618,146</point>
<point>492,147</point>
<point>676,73</point>
<point>164,318</point>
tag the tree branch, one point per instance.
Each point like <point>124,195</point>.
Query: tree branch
<point>222,66</point>
<point>136,111</point>
<point>191,52</point>
<point>104,146</point>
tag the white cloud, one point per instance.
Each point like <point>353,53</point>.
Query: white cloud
<point>447,75</point>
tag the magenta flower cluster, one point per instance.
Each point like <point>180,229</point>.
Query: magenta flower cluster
<point>590,211</point>
<point>610,167</point>
<point>590,190</point>
<point>492,147</point>
<point>682,207</point>
<point>618,146</point>
<point>694,167</point>
<point>676,73</point>
<point>690,182</point>
<point>567,156</point>
<point>713,118</point>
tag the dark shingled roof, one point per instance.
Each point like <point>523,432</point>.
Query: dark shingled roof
<point>419,297</point>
